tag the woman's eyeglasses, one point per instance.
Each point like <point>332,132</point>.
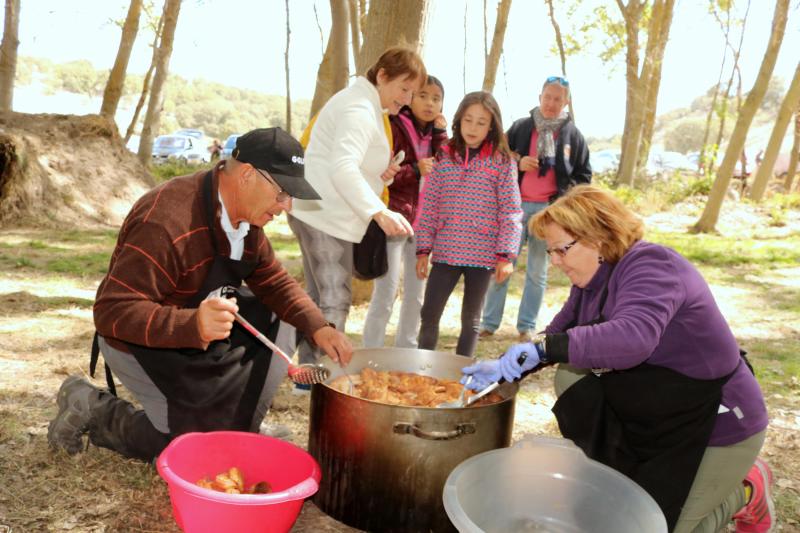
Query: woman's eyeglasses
<point>561,250</point>
<point>282,196</point>
<point>558,79</point>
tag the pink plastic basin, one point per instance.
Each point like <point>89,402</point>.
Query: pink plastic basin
<point>291,472</point>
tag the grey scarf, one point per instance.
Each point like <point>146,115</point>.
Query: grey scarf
<point>545,145</point>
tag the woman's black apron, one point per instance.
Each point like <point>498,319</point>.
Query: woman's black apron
<point>650,423</point>
<point>217,388</point>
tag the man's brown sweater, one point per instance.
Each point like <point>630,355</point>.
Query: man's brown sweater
<point>163,254</point>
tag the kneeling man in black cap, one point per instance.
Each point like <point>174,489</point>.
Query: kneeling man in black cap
<point>176,350</point>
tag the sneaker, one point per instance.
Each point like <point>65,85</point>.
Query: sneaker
<point>74,399</point>
<point>301,389</point>
<point>482,334</point>
<point>525,336</point>
<point>758,516</point>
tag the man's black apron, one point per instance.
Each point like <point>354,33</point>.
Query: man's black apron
<point>650,423</point>
<point>218,388</point>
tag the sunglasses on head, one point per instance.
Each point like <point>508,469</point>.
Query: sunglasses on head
<point>557,79</point>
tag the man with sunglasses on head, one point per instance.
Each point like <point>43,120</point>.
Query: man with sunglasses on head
<point>552,156</point>
<point>163,327</point>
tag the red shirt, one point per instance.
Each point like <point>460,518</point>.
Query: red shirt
<point>536,188</point>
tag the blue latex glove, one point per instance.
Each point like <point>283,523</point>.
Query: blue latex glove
<point>483,374</point>
<point>511,369</point>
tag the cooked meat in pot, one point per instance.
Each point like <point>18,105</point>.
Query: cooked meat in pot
<point>405,388</point>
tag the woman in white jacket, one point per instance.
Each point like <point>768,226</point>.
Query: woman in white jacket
<point>348,162</point>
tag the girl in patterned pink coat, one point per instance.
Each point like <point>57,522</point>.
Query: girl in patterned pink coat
<point>469,221</point>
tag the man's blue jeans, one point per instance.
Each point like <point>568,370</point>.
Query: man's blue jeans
<point>535,281</point>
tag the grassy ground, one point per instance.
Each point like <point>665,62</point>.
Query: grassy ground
<point>48,280</point>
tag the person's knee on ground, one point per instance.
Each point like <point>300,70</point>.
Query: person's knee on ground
<point>566,376</point>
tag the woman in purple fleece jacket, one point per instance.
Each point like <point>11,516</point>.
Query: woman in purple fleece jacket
<point>651,380</point>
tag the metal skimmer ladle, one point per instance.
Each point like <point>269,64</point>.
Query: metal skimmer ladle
<point>460,401</point>
<point>305,374</point>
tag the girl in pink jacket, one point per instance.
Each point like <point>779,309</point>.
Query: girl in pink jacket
<point>469,221</point>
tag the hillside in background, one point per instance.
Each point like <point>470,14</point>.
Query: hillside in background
<point>43,86</point>
<point>681,129</point>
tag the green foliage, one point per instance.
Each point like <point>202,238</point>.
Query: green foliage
<point>685,135</point>
<point>655,196</point>
<point>217,109</point>
<point>77,77</point>
<point>168,170</point>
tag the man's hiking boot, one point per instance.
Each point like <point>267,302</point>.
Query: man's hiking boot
<point>75,398</point>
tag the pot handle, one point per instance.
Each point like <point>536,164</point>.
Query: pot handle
<point>464,428</point>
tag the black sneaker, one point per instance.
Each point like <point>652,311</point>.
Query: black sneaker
<point>74,400</point>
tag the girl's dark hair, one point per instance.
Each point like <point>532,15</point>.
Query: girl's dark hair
<point>496,135</point>
<point>433,80</point>
<point>398,61</point>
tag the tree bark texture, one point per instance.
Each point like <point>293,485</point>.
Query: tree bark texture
<point>286,70</point>
<point>8,54</point>
<point>493,58</point>
<point>765,169</point>
<point>653,81</point>
<point>116,78</point>
<point>148,77</point>
<point>391,23</point>
<point>634,97</point>
<point>152,118</point>
<point>561,53</point>
<point>708,219</point>
<point>795,153</point>
<point>355,27</point>
<point>334,68</point>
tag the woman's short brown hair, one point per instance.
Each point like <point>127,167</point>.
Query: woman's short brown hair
<point>399,61</point>
<point>595,216</point>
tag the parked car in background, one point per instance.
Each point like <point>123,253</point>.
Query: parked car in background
<point>197,134</point>
<point>180,148</point>
<point>604,161</point>
<point>230,144</point>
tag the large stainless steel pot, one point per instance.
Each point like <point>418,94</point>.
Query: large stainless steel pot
<point>384,466</point>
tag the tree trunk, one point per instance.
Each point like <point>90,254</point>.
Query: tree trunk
<point>795,154</point>
<point>726,29</point>
<point>355,27</point>
<point>561,53</point>
<point>146,82</point>
<point>708,219</point>
<point>391,23</point>
<point>723,111</point>
<point>653,81</point>
<point>116,78</point>
<point>8,54</point>
<point>490,69</point>
<point>634,97</point>
<point>765,169</point>
<point>286,70</point>
<point>334,69</point>
<point>153,116</point>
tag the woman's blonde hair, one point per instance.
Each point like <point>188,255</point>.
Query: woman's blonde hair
<point>595,216</point>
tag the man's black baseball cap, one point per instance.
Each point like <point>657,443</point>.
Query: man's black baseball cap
<point>278,153</point>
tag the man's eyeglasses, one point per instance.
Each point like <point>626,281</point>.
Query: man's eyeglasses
<point>557,79</point>
<point>282,196</point>
<point>561,250</point>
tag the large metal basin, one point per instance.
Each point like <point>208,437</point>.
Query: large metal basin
<point>384,466</point>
